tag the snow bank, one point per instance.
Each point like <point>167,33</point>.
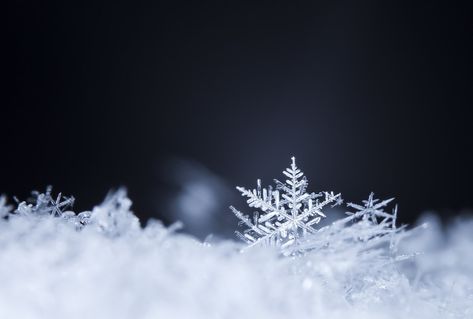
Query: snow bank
<point>102,264</point>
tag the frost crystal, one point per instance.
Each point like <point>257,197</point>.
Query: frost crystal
<point>288,213</point>
<point>113,217</point>
<point>45,204</point>
<point>372,209</point>
<point>370,225</point>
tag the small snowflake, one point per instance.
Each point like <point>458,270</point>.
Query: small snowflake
<point>372,210</point>
<point>379,222</point>
<point>287,212</point>
<point>45,204</point>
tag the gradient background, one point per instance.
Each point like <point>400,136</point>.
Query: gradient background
<point>368,95</point>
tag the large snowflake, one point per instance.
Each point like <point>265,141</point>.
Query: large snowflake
<point>287,213</point>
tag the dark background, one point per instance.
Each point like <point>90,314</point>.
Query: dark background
<point>368,95</point>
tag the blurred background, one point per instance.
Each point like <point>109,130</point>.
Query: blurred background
<point>181,102</point>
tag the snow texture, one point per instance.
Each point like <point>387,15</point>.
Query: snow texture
<point>55,263</point>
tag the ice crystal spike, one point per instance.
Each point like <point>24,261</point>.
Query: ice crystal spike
<point>287,212</point>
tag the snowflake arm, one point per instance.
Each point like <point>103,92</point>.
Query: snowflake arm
<point>268,201</point>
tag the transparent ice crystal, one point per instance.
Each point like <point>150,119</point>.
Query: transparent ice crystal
<point>112,218</point>
<point>372,210</point>
<point>287,212</point>
<point>45,204</point>
<point>369,226</point>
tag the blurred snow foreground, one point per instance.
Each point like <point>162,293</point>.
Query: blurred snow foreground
<point>55,263</point>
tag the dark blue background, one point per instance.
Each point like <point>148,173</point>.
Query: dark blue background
<point>368,95</point>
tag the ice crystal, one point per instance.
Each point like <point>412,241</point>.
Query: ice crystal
<point>288,212</point>
<point>367,227</point>
<point>45,204</point>
<point>113,217</point>
<point>372,209</point>
<point>380,222</point>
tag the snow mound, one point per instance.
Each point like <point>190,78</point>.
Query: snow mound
<point>103,264</point>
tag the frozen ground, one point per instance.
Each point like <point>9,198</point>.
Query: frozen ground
<point>55,264</point>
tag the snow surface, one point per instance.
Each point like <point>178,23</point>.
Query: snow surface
<point>103,264</point>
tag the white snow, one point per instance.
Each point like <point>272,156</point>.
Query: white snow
<point>104,265</point>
